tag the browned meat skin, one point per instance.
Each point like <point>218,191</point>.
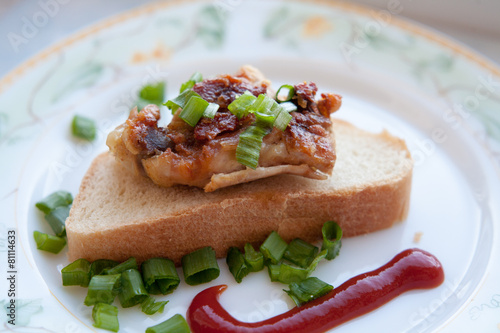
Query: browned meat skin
<point>181,154</point>
<point>226,88</point>
<point>145,134</point>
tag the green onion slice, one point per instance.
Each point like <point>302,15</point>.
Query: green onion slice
<point>132,290</point>
<point>130,263</point>
<point>332,239</point>
<point>176,324</point>
<point>193,110</point>
<point>236,263</point>
<point>249,145</point>
<point>240,106</point>
<point>83,128</point>
<point>106,317</point>
<point>180,101</point>
<point>200,266</point>
<point>283,117</point>
<point>253,259</point>
<point>289,107</point>
<point>285,93</point>
<point>273,248</point>
<point>76,274</point>
<point>308,290</point>
<point>274,272</point>
<point>150,307</point>
<point>160,276</point>
<point>98,266</point>
<point>57,219</point>
<point>151,94</point>
<point>300,252</point>
<point>102,289</point>
<point>315,262</point>
<point>49,243</point>
<point>54,200</point>
<point>211,110</point>
<point>289,273</point>
<point>189,84</point>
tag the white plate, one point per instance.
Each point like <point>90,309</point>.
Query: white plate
<point>442,98</point>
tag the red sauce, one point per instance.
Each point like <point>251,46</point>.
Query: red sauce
<point>410,269</point>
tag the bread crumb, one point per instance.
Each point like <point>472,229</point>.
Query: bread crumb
<point>417,237</point>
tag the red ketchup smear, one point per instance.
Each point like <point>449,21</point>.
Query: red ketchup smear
<point>410,269</point>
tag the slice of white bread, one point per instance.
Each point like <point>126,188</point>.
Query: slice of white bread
<point>117,215</point>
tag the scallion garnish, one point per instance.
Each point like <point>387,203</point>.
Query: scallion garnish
<point>249,145</point>
<point>262,109</point>
<point>283,117</point>
<point>236,263</point>
<point>176,324</point>
<point>83,128</point>
<point>274,272</point>
<point>102,289</point>
<point>253,259</point>
<point>273,248</point>
<point>189,84</point>
<point>76,274</point>
<point>98,266</point>
<point>181,100</point>
<point>289,106</point>
<point>193,110</point>
<point>289,273</point>
<point>300,252</point>
<point>285,93</point>
<point>160,276</point>
<point>200,266</point>
<point>130,263</point>
<point>150,307</point>
<point>57,218</point>
<point>106,317</point>
<point>49,243</point>
<point>211,110</point>
<point>54,200</point>
<point>132,289</point>
<point>315,262</point>
<point>239,107</point>
<point>308,290</point>
<point>151,94</point>
<point>332,239</point>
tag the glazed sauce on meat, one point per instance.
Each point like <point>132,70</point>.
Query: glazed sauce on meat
<point>410,269</point>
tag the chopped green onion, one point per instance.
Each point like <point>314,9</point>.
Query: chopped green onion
<point>283,117</point>
<point>300,252</point>
<point>54,200</point>
<point>102,289</point>
<point>273,248</point>
<point>315,262</point>
<point>239,107</point>
<point>274,272</point>
<point>287,95</point>
<point>236,263</point>
<point>262,109</point>
<point>76,274</point>
<point>253,259</point>
<point>249,145</point>
<point>98,266</point>
<point>150,307</point>
<point>189,84</point>
<point>289,273</point>
<point>151,94</point>
<point>211,110</point>
<point>130,263</point>
<point>200,266</point>
<point>181,100</point>
<point>83,128</point>
<point>193,110</point>
<point>49,243</point>
<point>176,324</point>
<point>289,107</point>
<point>160,276</point>
<point>332,239</point>
<point>132,290</point>
<point>106,317</point>
<point>308,290</point>
<point>57,219</point>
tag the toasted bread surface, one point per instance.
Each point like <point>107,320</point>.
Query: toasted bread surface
<point>117,215</point>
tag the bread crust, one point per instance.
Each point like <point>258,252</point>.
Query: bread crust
<point>117,215</point>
